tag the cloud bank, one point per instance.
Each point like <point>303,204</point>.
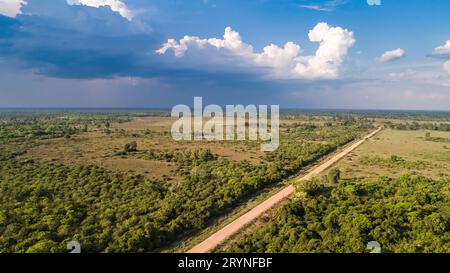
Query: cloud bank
<point>285,62</point>
<point>53,38</point>
<point>91,39</point>
<point>12,8</point>
<point>392,55</point>
<point>115,5</point>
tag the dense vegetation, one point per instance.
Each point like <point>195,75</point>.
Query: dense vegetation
<point>19,127</point>
<point>427,116</point>
<point>408,214</point>
<point>46,205</point>
<point>420,126</point>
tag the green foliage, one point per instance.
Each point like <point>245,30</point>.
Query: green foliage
<point>44,206</point>
<point>312,187</point>
<point>333,176</point>
<point>409,214</point>
<point>18,126</point>
<point>420,126</point>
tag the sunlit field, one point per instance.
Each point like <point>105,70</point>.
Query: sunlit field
<point>393,153</point>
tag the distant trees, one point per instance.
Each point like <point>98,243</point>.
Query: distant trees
<point>43,125</point>
<point>419,126</point>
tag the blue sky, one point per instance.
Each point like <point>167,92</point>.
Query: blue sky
<point>305,54</point>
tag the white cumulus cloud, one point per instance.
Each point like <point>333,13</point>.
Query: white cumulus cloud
<point>392,55</point>
<point>442,50</point>
<point>115,5</point>
<point>10,8</point>
<point>285,62</point>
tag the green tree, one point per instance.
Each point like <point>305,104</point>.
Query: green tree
<point>333,176</point>
<point>312,187</point>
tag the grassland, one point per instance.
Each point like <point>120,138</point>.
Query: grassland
<point>102,147</point>
<point>393,153</point>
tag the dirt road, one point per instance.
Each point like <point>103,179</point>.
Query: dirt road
<point>221,235</point>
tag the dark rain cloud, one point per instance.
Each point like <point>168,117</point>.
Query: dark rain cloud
<point>55,39</point>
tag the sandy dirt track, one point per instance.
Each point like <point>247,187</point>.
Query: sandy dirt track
<point>233,227</point>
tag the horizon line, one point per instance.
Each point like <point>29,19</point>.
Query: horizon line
<point>281,109</point>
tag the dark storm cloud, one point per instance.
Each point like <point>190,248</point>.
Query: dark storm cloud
<point>59,40</point>
<point>54,39</point>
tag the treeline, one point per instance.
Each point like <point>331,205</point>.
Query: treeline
<point>15,127</point>
<point>408,214</point>
<point>44,206</point>
<point>368,114</point>
<point>414,126</point>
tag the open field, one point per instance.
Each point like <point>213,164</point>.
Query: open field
<point>393,153</point>
<point>99,148</point>
<point>96,147</point>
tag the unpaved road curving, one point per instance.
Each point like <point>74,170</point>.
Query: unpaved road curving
<point>223,234</point>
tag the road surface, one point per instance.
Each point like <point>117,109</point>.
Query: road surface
<point>233,227</point>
